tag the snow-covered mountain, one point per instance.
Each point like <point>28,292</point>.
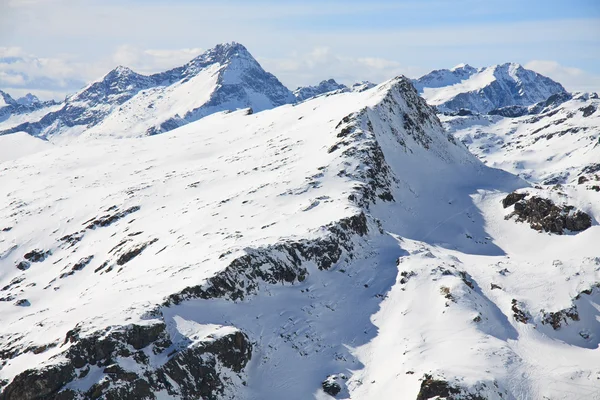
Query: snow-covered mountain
<point>345,246</point>
<point>552,142</point>
<point>306,92</point>
<point>484,89</point>
<point>226,77</point>
<point>9,107</point>
<point>329,86</point>
<point>28,100</point>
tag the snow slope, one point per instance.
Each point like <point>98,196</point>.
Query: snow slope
<point>20,144</point>
<point>226,77</point>
<point>484,89</point>
<point>346,237</point>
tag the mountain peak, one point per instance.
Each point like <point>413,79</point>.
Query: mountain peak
<point>120,73</point>
<point>222,53</point>
<point>484,89</point>
<point>28,99</point>
<point>325,86</point>
<point>6,99</point>
<point>463,67</point>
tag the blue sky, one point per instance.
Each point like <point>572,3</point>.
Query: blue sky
<point>59,45</point>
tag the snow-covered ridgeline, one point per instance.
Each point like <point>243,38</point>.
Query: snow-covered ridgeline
<point>347,237</point>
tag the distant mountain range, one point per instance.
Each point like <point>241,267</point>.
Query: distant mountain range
<point>127,104</point>
<point>484,89</point>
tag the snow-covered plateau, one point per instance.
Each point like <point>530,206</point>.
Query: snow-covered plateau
<point>347,246</point>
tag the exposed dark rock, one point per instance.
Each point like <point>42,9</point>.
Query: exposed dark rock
<point>406,275</point>
<point>13,283</point>
<point>556,319</point>
<point>440,389</point>
<point>467,279</point>
<point>512,198</point>
<point>195,370</point>
<point>37,255</point>
<point>494,286</point>
<point>73,238</point>
<point>23,265</point>
<point>590,169</point>
<point>79,265</point>
<point>23,303</point>
<point>589,110</point>
<point>518,313</point>
<point>39,384</point>
<point>109,219</point>
<point>330,386</point>
<point>133,252</point>
<point>435,388</point>
<point>244,275</point>
<point>543,215</point>
<point>510,111</point>
<point>582,179</point>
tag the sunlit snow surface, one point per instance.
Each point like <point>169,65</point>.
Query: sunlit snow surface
<point>233,181</point>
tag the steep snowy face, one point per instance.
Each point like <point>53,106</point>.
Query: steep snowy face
<point>306,92</point>
<point>226,77</point>
<point>551,143</point>
<point>482,90</point>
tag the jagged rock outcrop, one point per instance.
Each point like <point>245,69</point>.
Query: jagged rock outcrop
<point>195,370</point>
<point>432,388</point>
<point>543,215</point>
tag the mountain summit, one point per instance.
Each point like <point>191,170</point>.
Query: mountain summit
<point>125,103</point>
<point>484,89</point>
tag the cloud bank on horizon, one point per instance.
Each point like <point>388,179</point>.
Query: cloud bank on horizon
<point>54,47</point>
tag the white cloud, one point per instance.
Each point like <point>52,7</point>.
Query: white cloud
<point>321,63</point>
<point>153,60</point>
<point>55,77</point>
<point>573,79</point>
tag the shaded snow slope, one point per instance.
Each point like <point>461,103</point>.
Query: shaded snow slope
<point>484,89</point>
<point>226,77</point>
<point>346,237</point>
